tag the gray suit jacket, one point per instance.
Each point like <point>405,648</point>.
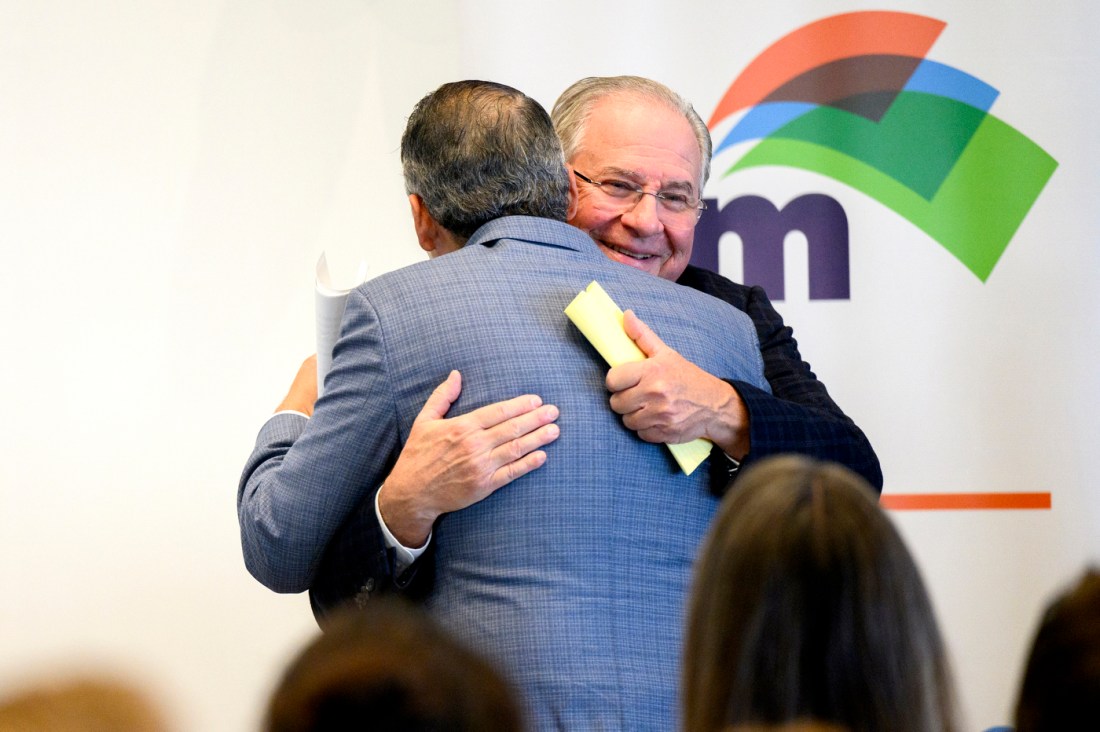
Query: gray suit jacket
<point>573,578</point>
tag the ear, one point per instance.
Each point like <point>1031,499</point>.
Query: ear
<point>425,226</point>
<point>571,212</point>
<point>433,237</point>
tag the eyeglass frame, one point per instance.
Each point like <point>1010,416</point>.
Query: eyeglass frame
<point>699,206</point>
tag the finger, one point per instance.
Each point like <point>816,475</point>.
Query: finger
<point>642,420</point>
<point>493,414</point>
<point>624,376</point>
<point>516,469</point>
<point>641,334</point>
<point>658,436</point>
<point>514,450</point>
<point>625,403</point>
<point>441,398</point>
<point>517,427</point>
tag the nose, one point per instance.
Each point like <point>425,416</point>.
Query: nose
<point>642,217</point>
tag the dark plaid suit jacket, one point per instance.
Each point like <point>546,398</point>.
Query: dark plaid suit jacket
<point>799,415</point>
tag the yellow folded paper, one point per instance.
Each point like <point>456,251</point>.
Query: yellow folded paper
<point>601,321</point>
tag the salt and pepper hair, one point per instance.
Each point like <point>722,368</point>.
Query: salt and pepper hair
<point>806,605</point>
<point>574,107</point>
<point>1060,689</point>
<point>476,150</point>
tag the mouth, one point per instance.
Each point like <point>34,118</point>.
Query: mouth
<point>628,254</point>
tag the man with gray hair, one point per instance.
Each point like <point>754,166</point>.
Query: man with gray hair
<point>572,579</point>
<point>635,146</point>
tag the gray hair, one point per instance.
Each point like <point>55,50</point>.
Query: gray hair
<point>476,150</point>
<point>574,106</point>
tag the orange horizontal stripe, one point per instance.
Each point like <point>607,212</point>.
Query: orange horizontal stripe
<point>963,501</point>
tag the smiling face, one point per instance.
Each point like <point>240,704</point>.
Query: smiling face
<point>645,142</point>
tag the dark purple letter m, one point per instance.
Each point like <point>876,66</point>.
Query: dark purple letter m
<point>762,228</point>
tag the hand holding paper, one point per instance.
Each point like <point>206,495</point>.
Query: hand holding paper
<point>601,321</point>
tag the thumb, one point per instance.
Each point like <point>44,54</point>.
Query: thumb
<point>641,334</point>
<point>441,399</point>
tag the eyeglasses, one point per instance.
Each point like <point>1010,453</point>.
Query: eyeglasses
<point>676,204</point>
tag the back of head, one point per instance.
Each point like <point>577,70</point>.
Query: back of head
<point>574,106</point>
<point>1061,685</point>
<point>798,726</point>
<point>808,606</point>
<point>81,704</point>
<point>389,668</point>
<point>476,150</point>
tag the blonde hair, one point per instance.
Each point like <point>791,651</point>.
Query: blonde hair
<point>81,705</point>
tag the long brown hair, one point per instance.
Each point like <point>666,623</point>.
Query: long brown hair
<point>1060,689</point>
<point>807,605</point>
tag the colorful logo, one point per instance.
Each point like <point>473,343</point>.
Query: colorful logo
<point>853,97</point>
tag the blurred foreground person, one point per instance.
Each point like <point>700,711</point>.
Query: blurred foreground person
<point>81,704</point>
<point>1061,683</point>
<point>788,727</point>
<point>807,607</point>
<point>390,668</point>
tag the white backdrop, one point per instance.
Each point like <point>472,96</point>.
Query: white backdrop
<point>170,171</point>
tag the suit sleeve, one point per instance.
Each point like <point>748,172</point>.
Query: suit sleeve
<point>306,477</point>
<point>799,415</point>
<point>358,565</point>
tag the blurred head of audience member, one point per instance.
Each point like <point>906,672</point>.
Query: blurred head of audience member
<point>1061,684</point>
<point>801,726</point>
<point>80,704</point>
<point>807,607</point>
<point>389,667</point>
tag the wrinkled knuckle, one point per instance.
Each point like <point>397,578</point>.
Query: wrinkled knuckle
<point>499,412</point>
<point>452,432</point>
<point>474,443</point>
<point>481,468</point>
<point>510,472</point>
<point>516,429</point>
<point>516,450</point>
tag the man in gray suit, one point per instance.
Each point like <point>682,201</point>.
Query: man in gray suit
<point>573,577</point>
